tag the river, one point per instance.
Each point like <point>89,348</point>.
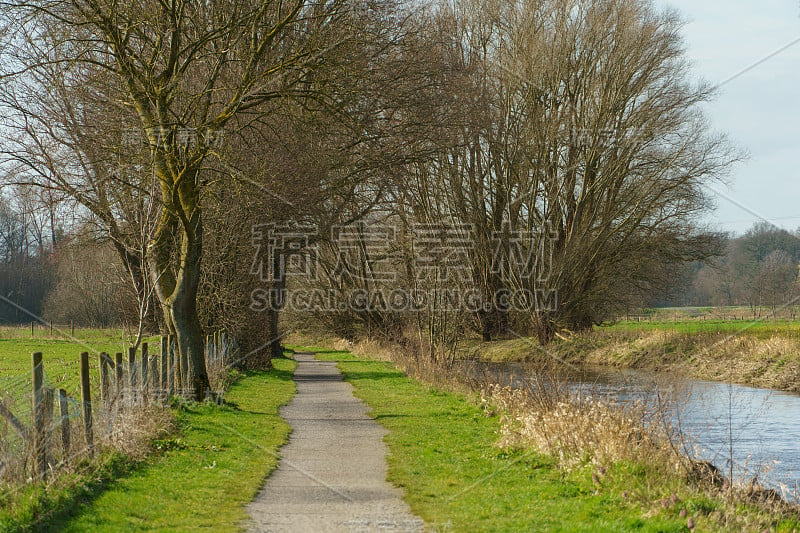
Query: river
<point>758,428</point>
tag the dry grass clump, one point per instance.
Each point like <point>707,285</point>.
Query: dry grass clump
<point>427,363</point>
<point>342,345</point>
<point>415,358</point>
<point>128,429</point>
<point>574,430</point>
<point>579,431</point>
<point>132,429</point>
<point>221,376</point>
<point>14,456</point>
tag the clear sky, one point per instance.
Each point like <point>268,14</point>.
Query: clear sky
<point>758,109</point>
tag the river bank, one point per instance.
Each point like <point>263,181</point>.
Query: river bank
<point>759,357</point>
<point>451,453</point>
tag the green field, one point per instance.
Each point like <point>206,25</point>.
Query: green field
<point>200,476</point>
<point>757,328</point>
<point>60,354</point>
<point>715,313</point>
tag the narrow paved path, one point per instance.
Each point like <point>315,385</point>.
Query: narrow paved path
<point>332,474</point>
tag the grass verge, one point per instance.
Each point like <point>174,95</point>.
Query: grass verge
<point>33,506</point>
<point>444,453</point>
<point>202,477</point>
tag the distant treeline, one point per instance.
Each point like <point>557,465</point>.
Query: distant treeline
<point>57,274</point>
<point>26,267</point>
<point>759,268</point>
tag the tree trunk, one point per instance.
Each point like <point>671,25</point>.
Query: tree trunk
<point>178,293</point>
<point>277,297</point>
<point>494,322</point>
<point>545,329</point>
<point>493,317</point>
<point>188,331</point>
<point>275,348</point>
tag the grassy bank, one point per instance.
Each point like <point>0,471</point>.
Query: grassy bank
<point>198,478</point>
<point>761,355</point>
<point>444,452</point>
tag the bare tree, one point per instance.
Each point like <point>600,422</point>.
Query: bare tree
<point>91,287</point>
<point>184,70</point>
<point>584,146</point>
<point>775,280</point>
<point>63,150</point>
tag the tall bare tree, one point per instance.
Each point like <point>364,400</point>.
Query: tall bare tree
<point>184,71</point>
<point>584,145</point>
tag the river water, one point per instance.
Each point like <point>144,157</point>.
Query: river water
<point>758,428</point>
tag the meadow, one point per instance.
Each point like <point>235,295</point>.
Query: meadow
<point>759,328</point>
<point>60,354</point>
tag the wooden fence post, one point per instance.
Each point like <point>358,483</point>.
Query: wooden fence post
<point>132,374</point>
<point>184,357</point>
<point>47,414</point>
<point>32,326</point>
<point>49,399</point>
<point>215,344</point>
<point>64,410</point>
<point>39,443</point>
<point>155,386</point>
<point>145,373</point>
<point>86,399</point>
<point>118,368</point>
<point>103,365</point>
<point>171,371</point>
<point>164,361</point>
<point>176,363</point>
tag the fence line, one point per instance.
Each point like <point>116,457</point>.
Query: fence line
<point>741,316</point>
<point>125,386</point>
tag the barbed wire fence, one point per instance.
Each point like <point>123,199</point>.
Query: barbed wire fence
<point>44,428</point>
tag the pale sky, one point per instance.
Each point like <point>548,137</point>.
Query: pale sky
<point>759,109</point>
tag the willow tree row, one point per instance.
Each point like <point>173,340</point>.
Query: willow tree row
<point>176,126</point>
<point>573,165</point>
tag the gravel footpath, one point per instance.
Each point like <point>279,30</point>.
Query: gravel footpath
<point>332,473</point>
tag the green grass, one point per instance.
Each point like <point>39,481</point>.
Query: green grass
<point>29,507</point>
<point>201,478</point>
<point>60,354</point>
<point>443,453</point>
